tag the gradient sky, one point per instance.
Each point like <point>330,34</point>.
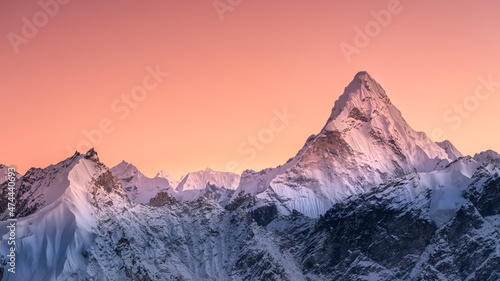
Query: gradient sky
<point>227,75</point>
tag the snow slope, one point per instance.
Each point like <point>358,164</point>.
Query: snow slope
<point>51,240</point>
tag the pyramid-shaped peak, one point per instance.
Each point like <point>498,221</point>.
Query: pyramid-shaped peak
<point>364,95</point>
<point>124,168</point>
<point>162,174</point>
<point>364,84</point>
<point>123,164</point>
<point>364,117</point>
<point>451,150</point>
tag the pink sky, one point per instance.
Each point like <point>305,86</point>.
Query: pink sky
<point>227,76</point>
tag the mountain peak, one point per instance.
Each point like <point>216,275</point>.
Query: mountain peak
<point>124,163</point>
<point>363,75</point>
<point>199,180</point>
<point>124,168</point>
<point>488,156</point>
<point>363,95</point>
<point>366,120</point>
<point>162,174</point>
<point>451,150</point>
<point>363,80</point>
<point>365,142</point>
<point>91,154</point>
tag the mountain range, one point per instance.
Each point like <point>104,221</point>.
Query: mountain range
<point>366,198</point>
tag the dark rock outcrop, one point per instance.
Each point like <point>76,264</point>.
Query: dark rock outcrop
<point>162,199</point>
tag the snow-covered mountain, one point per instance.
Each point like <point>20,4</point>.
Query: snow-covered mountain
<point>418,212</point>
<point>56,210</point>
<point>440,225</point>
<point>171,181</point>
<point>39,188</point>
<point>220,185</point>
<point>488,157</point>
<point>437,225</point>
<point>199,179</point>
<point>140,188</point>
<point>450,149</point>
<point>364,143</point>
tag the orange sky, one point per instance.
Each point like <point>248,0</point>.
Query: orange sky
<point>229,72</point>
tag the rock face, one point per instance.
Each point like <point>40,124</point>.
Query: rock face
<point>75,220</point>
<point>162,199</point>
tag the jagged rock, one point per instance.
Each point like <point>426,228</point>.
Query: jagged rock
<point>265,214</point>
<point>107,181</point>
<point>244,200</point>
<point>162,199</point>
